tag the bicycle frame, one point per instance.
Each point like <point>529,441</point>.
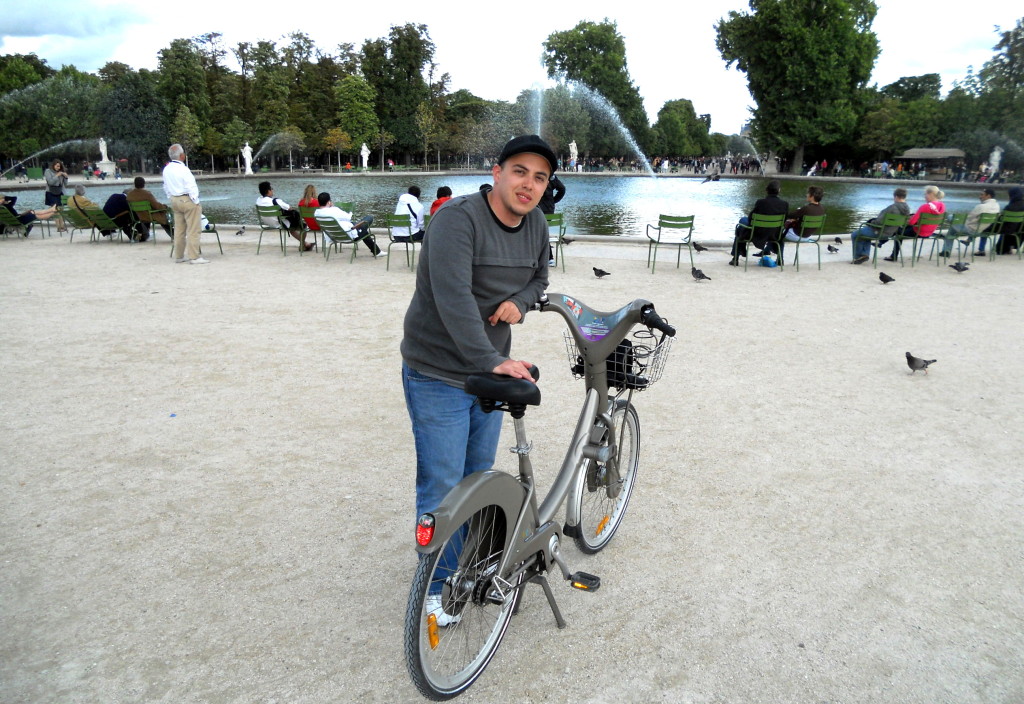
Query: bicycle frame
<point>530,530</point>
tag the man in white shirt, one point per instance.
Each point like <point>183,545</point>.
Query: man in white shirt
<point>988,204</point>
<point>181,189</point>
<point>409,204</point>
<point>290,215</point>
<point>328,209</point>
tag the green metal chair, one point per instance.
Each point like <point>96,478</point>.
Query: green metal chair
<point>672,231</point>
<point>556,240</point>
<point>138,207</point>
<point>211,228</point>
<point>104,222</point>
<point>910,233</point>
<point>809,222</point>
<point>75,219</point>
<point>404,222</point>
<point>775,223</point>
<point>953,232</point>
<point>333,231</point>
<point>1012,217</point>
<point>983,230</point>
<point>272,213</point>
<point>890,220</point>
<point>8,223</point>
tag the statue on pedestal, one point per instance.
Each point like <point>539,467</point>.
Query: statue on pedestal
<point>364,154</point>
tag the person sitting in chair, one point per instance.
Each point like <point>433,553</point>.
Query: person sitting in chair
<point>290,215</point>
<point>409,204</point>
<point>157,212</point>
<point>771,204</point>
<point>28,217</point>
<point>328,209</point>
<point>861,237</point>
<point>813,207</point>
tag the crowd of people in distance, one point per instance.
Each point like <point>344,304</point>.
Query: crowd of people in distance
<point>873,232</point>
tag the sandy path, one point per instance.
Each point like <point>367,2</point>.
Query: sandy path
<point>207,485</point>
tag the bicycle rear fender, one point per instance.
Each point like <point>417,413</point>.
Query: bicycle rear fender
<point>478,490</point>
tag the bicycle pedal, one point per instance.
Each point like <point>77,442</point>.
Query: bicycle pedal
<point>586,582</point>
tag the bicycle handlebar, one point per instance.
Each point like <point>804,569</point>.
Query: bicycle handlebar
<point>652,320</point>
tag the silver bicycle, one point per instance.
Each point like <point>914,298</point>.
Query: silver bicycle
<point>491,536</point>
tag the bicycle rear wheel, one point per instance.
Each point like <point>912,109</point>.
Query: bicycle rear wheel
<point>602,501</point>
<point>457,612</point>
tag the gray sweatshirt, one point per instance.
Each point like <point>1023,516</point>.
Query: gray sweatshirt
<point>470,264</point>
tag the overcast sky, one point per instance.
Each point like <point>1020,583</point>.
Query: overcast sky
<point>494,50</point>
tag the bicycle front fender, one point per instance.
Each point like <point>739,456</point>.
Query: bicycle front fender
<point>477,491</point>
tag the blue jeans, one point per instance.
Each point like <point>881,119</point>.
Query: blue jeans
<point>454,437</point>
<point>862,246</point>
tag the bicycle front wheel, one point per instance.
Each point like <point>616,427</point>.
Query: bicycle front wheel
<point>605,494</point>
<point>458,609</point>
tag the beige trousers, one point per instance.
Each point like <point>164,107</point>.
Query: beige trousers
<point>187,217</point>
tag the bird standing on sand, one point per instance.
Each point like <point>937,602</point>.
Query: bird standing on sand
<point>839,240</point>
<point>915,363</point>
<point>600,273</point>
<point>240,232</point>
<point>959,267</point>
<point>699,247</point>
<point>833,250</point>
<point>884,278</point>
<point>698,274</point>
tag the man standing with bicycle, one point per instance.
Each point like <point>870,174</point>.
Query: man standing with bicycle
<point>484,263</point>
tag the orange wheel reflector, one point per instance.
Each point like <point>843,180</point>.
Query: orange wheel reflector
<point>432,631</point>
<point>601,525</point>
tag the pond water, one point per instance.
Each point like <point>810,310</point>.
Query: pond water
<point>601,205</point>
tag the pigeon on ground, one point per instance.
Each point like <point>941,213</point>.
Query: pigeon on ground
<point>959,267</point>
<point>699,247</point>
<point>839,240</point>
<point>600,273</point>
<point>885,278</point>
<point>567,241</point>
<point>698,274</point>
<point>833,250</point>
<point>915,363</point>
<point>240,232</point>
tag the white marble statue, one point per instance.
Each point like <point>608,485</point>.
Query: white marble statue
<point>103,150</point>
<point>247,157</point>
<point>574,153</point>
<point>364,154</point>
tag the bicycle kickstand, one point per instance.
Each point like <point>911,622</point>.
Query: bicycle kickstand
<point>543,582</point>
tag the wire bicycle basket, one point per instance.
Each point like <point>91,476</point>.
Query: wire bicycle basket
<point>637,362</point>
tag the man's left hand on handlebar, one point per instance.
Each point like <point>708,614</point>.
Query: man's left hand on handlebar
<point>507,312</point>
<point>514,367</point>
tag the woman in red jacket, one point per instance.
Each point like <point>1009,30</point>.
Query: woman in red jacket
<point>933,205</point>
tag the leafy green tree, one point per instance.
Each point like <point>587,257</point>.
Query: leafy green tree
<point>20,70</point>
<point>186,129</point>
<point>1003,83</point>
<point>182,80</point>
<point>58,109</point>
<point>355,98</point>
<point>594,54</point>
<point>683,132</point>
<point>236,134</point>
<point>565,120</point>
<point>382,140</point>
<point>395,67</point>
<point>805,60</point>
<point>430,128</point>
<point>134,116</point>
<point>338,141</point>
<point>914,87</point>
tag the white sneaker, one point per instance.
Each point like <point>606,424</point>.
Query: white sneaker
<point>551,262</point>
<point>433,606</point>
<point>199,260</point>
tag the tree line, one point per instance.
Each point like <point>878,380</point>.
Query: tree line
<point>807,64</point>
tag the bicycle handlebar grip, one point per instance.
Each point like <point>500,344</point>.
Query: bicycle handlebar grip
<point>535,372</point>
<point>652,320</point>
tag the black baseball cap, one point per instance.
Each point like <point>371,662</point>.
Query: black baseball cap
<point>532,144</point>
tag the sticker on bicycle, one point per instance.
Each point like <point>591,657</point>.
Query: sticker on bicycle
<point>574,307</point>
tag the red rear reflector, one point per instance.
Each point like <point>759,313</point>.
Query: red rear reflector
<point>425,529</point>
